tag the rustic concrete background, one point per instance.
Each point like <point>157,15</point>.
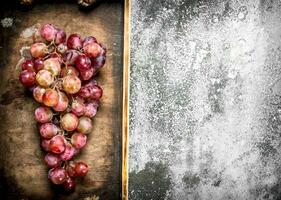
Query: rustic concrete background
<point>205,105</point>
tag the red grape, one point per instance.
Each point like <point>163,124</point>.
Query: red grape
<point>27,78</point>
<point>89,40</point>
<point>57,144</point>
<point>52,160</point>
<point>83,63</point>
<point>60,36</point>
<point>57,175</point>
<point>74,41</point>
<point>84,125</point>
<point>38,93</point>
<point>81,169</point>
<point>62,102</point>
<point>68,152</point>
<point>84,92</point>
<point>92,49</point>
<point>96,93</point>
<point>77,107</point>
<point>53,66</point>
<point>89,90</point>
<point>48,32</point>
<point>45,145</point>
<point>43,114</point>
<point>50,97</point>
<point>48,130</point>
<point>28,65</point>
<point>38,64</point>
<point>78,140</point>
<point>69,122</point>
<point>38,50</point>
<point>69,70</point>
<point>70,56</point>
<point>44,78</point>
<point>87,74</point>
<point>71,84</point>
<point>90,109</point>
<point>98,62</point>
<point>69,185</point>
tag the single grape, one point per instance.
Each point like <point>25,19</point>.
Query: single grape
<point>38,64</point>
<point>78,140</point>
<point>98,62</point>
<point>52,65</point>
<point>57,144</point>
<point>77,107</point>
<point>45,145</point>
<point>69,70</point>
<point>48,130</point>
<point>70,56</point>
<point>60,36</point>
<point>48,32</point>
<point>96,92</point>
<point>87,74</point>
<point>69,122</point>
<point>71,84</point>
<point>50,97</point>
<point>28,65</point>
<point>52,160</point>
<point>92,50</point>
<point>57,175</point>
<point>38,93</point>
<point>84,125</point>
<point>74,41</point>
<point>86,91</point>
<point>90,109</point>
<point>69,185</point>
<point>68,152</point>
<point>38,50</point>
<point>81,169</point>
<point>83,63</point>
<point>43,114</point>
<point>44,78</point>
<point>89,40</point>
<point>62,102</point>
<point>27,78</point>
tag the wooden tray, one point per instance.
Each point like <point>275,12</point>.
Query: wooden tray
<point>23,175</point>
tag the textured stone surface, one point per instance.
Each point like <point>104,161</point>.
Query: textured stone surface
<point>205,106</point>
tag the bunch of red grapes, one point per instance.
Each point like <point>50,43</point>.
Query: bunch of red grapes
<point>60,75</point>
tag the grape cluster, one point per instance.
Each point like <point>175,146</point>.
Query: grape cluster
<point>60,76</point>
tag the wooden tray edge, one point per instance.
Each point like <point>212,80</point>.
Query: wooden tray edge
<point>125,109</point>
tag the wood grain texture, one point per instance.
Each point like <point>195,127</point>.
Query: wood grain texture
<point>125,118</point>
<point>23,173</point>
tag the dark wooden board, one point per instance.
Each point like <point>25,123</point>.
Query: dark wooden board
<point>23,173</point>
